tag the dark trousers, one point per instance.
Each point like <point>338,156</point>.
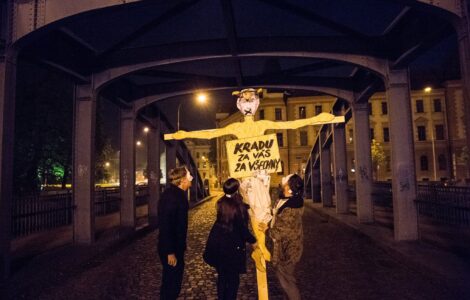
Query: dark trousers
<point>227,285</point>
<point>172,277</point>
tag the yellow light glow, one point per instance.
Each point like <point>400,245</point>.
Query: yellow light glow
<point>107,164</point>
<point>427,89</point>
<point>146,129</point>
<point>138,143</point>
<point>201,98</point>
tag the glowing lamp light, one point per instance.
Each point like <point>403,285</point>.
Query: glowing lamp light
<point>107,164</point>
<point>427,89</point>
<point>146,129</point>
<point>201,98</point>
<point>138,143</point>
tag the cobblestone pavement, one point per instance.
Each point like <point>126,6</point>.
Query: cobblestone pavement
<point>338,263</point>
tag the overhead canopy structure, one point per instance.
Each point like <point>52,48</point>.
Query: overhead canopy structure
<point>155,48</point>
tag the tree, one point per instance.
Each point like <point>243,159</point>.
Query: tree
<point>378,157</point>
<point>43,128</point>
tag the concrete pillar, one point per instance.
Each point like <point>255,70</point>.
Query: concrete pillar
<point>84,164</point>
<point>315,184</point>
<point>127,170</point>
<point>153,169</point>
<point>341,169</point>
<point>463,34</point>
<point>325,177</point>
<point>7,123</point>
<point>170,155</point>
<point>363,165</point>
<point>402,148</point>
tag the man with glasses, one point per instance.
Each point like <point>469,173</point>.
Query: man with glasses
<point>173,228</point>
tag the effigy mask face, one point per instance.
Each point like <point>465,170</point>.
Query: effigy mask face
<point>248,102</point>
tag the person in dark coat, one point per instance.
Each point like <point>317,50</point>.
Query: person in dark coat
<point>173,228</point>
<point>225,249</point>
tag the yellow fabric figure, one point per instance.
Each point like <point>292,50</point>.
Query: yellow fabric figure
<point>247,103</point>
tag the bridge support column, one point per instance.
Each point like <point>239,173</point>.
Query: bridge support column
<point>170,157</point>
<point>325,177</point>
<point>341,169</point>
<point>7,123</point>
<point>463,34</point>
<point>153,169</point>
<point>363,165</point>
<point>315,184</point>
<point>403,163</point>
<point>84,164</point>
<point>127,170</point>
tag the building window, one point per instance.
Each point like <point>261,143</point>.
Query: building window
<point>384,108</point>
<point>386,134</point>
<point>423,163</point>
<point>421,133</point>
<point>387,164</point>
<point>278,113</point>
<point>261,114</point>
<point>351,135</point>
<point>197,154</point>
<point>440,132</point>
<point>419,106</point>
<point>318,109</point>
<point>442,162</point>
<point>437,105</point>
<point>280,139</point>
<point>303,138</point>
<point>369,107</point>
<point>372,134</point>
<point>302,112</point>
<point>203,174</point>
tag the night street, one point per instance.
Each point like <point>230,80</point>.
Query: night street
<point>338,263</point>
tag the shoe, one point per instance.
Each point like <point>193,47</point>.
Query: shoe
<point>257,257</point>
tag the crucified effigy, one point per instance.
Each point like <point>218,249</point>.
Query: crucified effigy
<point>252,157</point>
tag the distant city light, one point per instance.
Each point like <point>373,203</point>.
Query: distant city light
<point>427,89</point>
<point>201,98</point>
<point>107,164</point>
<point>138,143</point>
<point>146,129</point>
<point>353,170</point>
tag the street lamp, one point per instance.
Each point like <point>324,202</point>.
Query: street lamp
<point>138,143</point>
<point>200,97</point>
<point>146,129</point>
<point>427,89</point>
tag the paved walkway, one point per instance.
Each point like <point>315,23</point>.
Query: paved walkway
<point>338,263</point>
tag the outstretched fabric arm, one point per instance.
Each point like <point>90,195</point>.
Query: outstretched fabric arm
<point>200,134</point>
<point>323,118</point>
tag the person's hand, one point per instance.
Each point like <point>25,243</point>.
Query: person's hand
<point>263,227</point>
<point>172,260</point>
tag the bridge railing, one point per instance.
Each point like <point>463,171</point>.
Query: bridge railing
<point>35,213</point>
<point>445,204</point>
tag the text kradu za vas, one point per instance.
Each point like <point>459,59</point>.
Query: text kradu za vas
<point>255,156</point>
